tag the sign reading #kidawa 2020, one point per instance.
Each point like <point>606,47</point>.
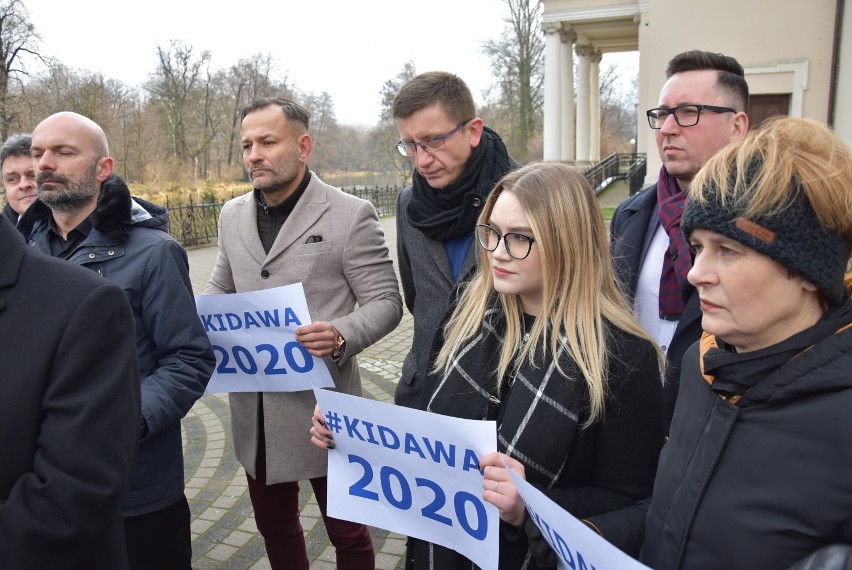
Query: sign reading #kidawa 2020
<point>411,472</point>
<point>253,336</point>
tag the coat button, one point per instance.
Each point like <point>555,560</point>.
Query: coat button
<point>110,252</point>
<point>477,202</point>
<point>91,256</point>
<point>264,274</point>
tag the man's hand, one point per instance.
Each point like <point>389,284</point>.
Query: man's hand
<point>318,338</point>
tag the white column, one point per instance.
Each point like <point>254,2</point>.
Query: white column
<point>567,95</point>
<point>595,106</point>
<point>552,84</point>
<point>583,103</point>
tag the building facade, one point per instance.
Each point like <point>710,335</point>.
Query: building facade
<point>797,56</point>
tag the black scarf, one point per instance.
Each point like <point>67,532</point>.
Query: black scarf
<point>735,373</point>
<point>452,212</point>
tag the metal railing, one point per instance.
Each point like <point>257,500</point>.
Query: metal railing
<point>194,224</point>
<point>618,166</point>
<point>383,198</point>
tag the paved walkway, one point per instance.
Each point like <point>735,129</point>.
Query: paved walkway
<point>224,534</point>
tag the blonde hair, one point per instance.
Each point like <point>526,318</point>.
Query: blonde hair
<point>578,285</point>
<point>773,161</point>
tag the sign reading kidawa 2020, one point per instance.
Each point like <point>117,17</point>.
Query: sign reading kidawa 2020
<point>253,336</point>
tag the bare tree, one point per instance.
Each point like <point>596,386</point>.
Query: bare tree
<point>17,38</point>
<point>324,131</point>
<point>517,61</point>
<point>180,87</point>
<point>243,82</point>
<point>618,112</point>
<point>385,134</point>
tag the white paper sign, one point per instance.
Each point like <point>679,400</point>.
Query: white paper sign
<point>577,546</point>
<point>411,472</point>
<point>253,336</point>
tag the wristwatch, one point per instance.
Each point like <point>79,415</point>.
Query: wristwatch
<point>339,346</point>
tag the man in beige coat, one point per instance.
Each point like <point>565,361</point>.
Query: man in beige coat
<point>294,228</point>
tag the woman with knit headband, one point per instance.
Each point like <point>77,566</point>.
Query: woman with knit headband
<point>757,471</point>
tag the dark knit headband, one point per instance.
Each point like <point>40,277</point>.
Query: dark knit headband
<point>794,238</point>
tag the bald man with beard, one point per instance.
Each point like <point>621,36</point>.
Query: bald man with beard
<point>86,215</point>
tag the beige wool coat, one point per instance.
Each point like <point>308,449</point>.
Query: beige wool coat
<point>349,266</point>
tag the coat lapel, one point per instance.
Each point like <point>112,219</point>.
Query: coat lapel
<point>438,253</point>
<point>247,228</point>
<point>308,210</point>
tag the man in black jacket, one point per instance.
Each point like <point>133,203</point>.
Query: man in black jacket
<point>85,214</point>
<point>702,109</point>
<point>69,399</point>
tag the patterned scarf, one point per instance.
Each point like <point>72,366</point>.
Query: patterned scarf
<point>678,262</point>
<point>524,412</point>
<point>451,212</point>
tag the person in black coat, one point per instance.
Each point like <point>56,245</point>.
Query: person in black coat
<point>69,403</point>
<point>86,215</point>
<point>756,471</point>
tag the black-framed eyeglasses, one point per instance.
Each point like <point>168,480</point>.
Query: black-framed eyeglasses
<point>429,145</point>
<point>518,246</point>
<point>684,115</point>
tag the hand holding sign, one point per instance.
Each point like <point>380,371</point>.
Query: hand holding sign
<point>317,337</point>
<point>499,487</point>
<point>321,436</point>
<point>576,545</point>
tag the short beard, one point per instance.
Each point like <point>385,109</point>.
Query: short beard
<point>74,196</point>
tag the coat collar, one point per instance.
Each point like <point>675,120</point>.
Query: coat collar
<point>112,216</point>
<point>309,208</point>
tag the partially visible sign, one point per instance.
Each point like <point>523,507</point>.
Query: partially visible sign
<point>577,546</point>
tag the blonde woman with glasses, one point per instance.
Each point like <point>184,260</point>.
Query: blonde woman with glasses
<point>541,341</point>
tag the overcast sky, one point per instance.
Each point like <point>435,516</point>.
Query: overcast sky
<point>345,47</point>
<point>348,48</point>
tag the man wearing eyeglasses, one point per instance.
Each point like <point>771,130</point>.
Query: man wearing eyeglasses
<point>701,110</point>
<point>456,160</point>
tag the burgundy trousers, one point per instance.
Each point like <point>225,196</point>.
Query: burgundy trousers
<point>276,511</point>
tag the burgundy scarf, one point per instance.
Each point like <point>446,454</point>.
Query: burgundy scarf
<point>678,261</point>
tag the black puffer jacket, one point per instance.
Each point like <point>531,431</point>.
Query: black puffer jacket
<point>130,246</point>
<point>762,484</point>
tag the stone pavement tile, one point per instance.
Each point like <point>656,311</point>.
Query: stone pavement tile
<point>238,538</point>
<point>394,546</point>
<point>200,526</point>
<point>221,552</point>
<point>386,561</point>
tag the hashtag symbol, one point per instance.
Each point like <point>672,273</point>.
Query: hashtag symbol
<point>333,421</point>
